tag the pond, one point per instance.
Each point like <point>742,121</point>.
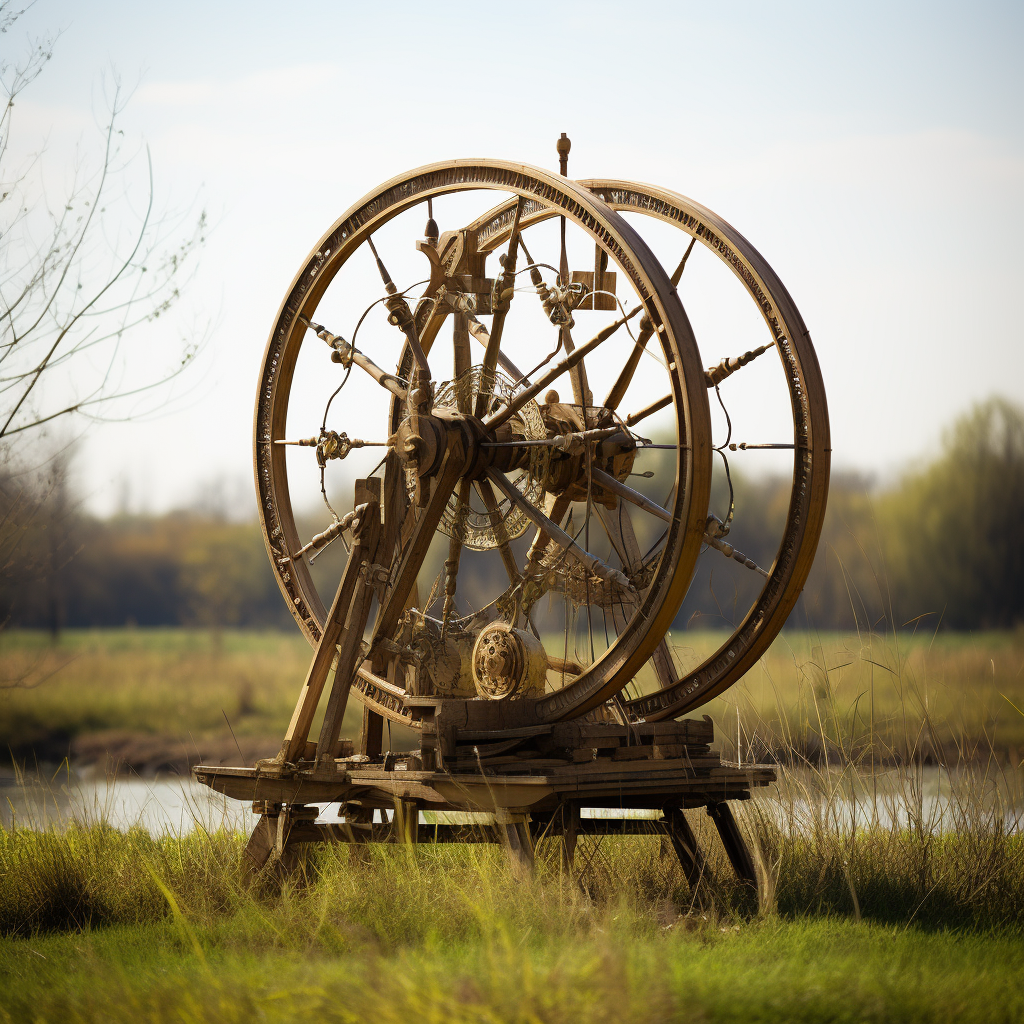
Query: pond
<point>176,805</point>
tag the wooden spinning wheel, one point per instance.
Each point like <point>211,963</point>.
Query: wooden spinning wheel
<point>520,550</point>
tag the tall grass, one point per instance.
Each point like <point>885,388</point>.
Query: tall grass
<point>884,810</point>
<point>937,697</point>
<point>84,877</point>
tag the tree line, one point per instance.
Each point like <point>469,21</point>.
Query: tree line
<point>945,545</point>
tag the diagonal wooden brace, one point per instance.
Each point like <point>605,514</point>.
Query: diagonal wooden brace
<point>366,527</point>
<point>732,839</point>
<point>368,540</point>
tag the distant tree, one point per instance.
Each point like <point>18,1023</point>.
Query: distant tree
<point>955,532</point>
<point>847,586</point>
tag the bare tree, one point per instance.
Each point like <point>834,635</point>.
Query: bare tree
<point>87,266</point>
<point>82,276</point>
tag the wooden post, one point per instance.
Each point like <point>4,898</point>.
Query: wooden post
<point>261,842</point>
<point>371,736</point>
<point>514,832</point>
<point>295,738</point>
<point>732,839</point>
<point>570,831</point>
<point>684,842</point>
<point>361,558</point>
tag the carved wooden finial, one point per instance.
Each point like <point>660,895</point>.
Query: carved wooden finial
<point>430,232</point>
<point>563,145</point>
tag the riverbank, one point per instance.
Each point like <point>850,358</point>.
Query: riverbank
<point>159,700</point>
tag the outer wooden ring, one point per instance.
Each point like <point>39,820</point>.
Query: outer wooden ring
<point>812,456</point>
<point>558,196</point>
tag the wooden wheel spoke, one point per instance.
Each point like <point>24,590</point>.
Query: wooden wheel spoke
<point>578,374</point>
<point>630,495</point>
<point>496,419</point>
<point>624,379</point>
<point>400,314</point>
<point>463,356</point>
<point>590,561</point>
<point>542,540</point>
<point>451,565</point>
<point>619,527</point>
<point>415,549</point>
<point>480,333</point>
<point>642,501</point>
<point>508,558</point>
<point>500,311</point>
<point>622,382</point>
<point>581,393</point>
<point>634,418</point>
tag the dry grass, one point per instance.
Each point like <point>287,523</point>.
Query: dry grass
<point>948,697</point>
<point>945,698</point>
<point>182,685</point>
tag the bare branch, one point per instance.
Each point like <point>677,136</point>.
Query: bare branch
<point>74,290</point>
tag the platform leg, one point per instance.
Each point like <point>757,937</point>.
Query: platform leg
<point>405,825</point>
<point>363,554</point>
<point>570,832</point>
<point>277,836</point>
<point>739,856</point>
<point>514,832</point>
<point>684,842</point>
<point>261,842</point>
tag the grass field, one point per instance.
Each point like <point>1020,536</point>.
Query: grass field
<point>949,695</point>
<point>105,926</point>
<point>764,972</point>
<point>915,914</point>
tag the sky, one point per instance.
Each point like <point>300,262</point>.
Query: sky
<point>872,152</point>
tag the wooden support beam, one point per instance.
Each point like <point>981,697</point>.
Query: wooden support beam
<point>294,744</point>
<point>684,842</point>
<point>371,736</point>
<point>367,535</point>
<point>732,839</point>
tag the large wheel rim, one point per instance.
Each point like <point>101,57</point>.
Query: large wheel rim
<point>812,455</point>
<point>606,676</point>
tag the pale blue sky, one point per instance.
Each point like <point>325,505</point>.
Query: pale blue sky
<point>872,152</point>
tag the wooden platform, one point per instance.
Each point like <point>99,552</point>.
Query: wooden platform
<point>527,782</point>
<point>531,770</point>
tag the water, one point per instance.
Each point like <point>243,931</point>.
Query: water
<point>161,806</point>
<point>179,805</point>
<point>164,806</point>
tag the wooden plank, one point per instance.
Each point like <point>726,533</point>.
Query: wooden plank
<point>732,839</point>
<point>365,551</point>
<point>309,697</point>
<point>684,842</point>
<point>472,735</point>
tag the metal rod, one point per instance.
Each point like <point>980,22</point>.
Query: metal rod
<point>599,568</point>
<point>624,491</point>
